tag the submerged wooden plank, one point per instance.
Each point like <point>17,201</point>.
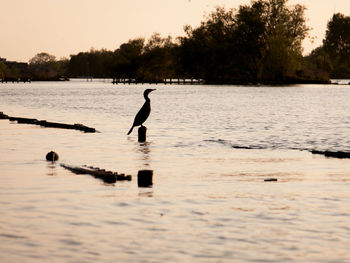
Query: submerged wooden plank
<point>107,176</point>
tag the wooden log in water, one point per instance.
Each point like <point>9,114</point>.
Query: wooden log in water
<point>107,176</point>
<point>25,120</point>
<point>84,128</point>
<point>48,124</point>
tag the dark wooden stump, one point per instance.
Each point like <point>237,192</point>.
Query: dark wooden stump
<point>142,134</point>
<point>145,178</point>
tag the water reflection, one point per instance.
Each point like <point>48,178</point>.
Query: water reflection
<point>146,192</point>
<point>51,169</point>
<point>144,149</point>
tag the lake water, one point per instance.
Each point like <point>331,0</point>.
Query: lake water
<point>210,147</point>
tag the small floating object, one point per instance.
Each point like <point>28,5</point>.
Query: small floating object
<point>52,156</point>
<point>271,180</point>
<point>145,178</point>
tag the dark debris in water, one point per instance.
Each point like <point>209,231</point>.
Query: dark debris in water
<point>331,154</point>
<point>236,146</point>
<point>337,154</point>
<point>271,180</point>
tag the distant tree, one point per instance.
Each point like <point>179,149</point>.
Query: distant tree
<point>317,65</point>
<point>79,65</point>
<point>42,59</point>
<point>320,59</point>
<point>208,51</point>
<point>337,45</point>
<point>44,66</point>
<point>63,64</point>
<point>157,59</point>
<point>127,59</point>
<point>337,41</point>
<point>285,29</point>
<point>249,34</point>
<point>13,73</point>
<point>95,63</point>
<point>4,71</point>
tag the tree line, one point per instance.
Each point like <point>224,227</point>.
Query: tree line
<point>256,43</point>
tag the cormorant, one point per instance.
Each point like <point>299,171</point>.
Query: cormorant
<point>144,112</point>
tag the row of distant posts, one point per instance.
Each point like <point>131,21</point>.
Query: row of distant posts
<point>13,80</point>
<point>179,81</point>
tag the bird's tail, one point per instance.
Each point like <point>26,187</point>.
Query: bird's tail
<point>131,130</point>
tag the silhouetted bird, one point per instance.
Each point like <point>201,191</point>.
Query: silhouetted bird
<point>144,112</point>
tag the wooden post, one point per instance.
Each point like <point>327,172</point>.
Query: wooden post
<point>142,133</point>
<point>145,178</point>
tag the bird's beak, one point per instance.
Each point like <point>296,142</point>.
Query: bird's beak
<point>153,89</point>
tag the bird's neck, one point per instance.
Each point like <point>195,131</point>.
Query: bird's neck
<point>146,98</point>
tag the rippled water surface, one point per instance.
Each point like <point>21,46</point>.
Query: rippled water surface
<point>210,148</point>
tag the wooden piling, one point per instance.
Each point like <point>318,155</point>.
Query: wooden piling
<point>142,134</point>
<point>145,178</point>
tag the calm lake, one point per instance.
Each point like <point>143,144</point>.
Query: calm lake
<point>210,147</point>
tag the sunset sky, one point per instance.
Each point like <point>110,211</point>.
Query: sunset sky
<point>65,27</point>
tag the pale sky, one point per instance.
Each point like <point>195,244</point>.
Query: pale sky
<point>65,27</point>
